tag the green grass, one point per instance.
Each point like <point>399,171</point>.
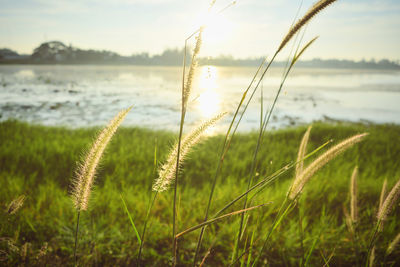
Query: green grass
<point>40,161</point>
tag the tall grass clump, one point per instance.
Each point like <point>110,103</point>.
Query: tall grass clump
<point>246,167</point>
<point>83,182</point>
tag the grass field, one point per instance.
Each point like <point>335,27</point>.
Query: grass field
<point>39,162</point>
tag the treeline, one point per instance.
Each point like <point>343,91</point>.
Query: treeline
<point>58,53</point>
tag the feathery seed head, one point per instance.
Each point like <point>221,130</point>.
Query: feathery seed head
<point>383,193</point>
<point>393,244</point>
<point>304,177</point>
<point>348,220</point>
<point>188,86</point>
<point>389,202</point>
<point>15,205</point>
<point>302,151</point>
<point>315,9</point>
<point>83,182</point>
<point>166,173</point>
<point>353,195</point>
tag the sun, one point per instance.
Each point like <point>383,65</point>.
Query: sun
<point>217,27</point>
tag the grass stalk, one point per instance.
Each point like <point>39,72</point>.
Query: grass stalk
<point>301,235</point>
<point>150,206</point>
<point>76,238</point>
<point>186,88</point>
<point>145,227</point>
<point>282,212</point>
<point>225,147</point>
<point>371,245</point>
<point>266,120</point>
<point>214,220</point>
<point>267,181</point>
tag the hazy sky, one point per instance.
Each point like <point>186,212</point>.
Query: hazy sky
<point>351,29</point>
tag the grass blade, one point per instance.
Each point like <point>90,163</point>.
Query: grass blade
<point>131,220</point>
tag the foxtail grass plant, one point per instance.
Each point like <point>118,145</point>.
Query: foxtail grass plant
<point>303,178</point>
<point>389,203</point>
<point>84,178</point>
<point>261,185</point>
<point>303,21</point>
<point>166,173</point>
<point>314,10</point>
<point>383,212</point>
<point>186,89</point>
<point>266,119</point>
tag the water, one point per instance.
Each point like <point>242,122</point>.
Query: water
<point>78,96</point>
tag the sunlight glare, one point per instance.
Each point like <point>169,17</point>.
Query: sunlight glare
<point>209,100</point>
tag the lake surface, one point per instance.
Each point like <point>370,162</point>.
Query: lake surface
<point>85,95</point>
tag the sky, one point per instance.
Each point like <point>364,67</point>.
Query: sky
<point>348,29</point>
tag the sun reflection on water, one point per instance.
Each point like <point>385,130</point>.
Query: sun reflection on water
<point>209,99</point>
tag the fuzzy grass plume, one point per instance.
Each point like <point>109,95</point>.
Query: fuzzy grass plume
<point>300,181</point>
<point>168,169</point>
<point>389,202</point>
<point>315,9</point>
<point>302,151</point>
<point>87,170</point>
<point>383,194</point>
<point>15,205</point>
<point>189,82</point>
<point>393,244</point>
<point>353,196</point>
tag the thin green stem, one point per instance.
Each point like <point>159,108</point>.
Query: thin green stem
<point>76,238</point>
<point>211,221</point>
<point>224,150</point>
<point>301,236</point>
<point>144,227</point>
<point>183,113</point>
<point>253,163</point>
<point>372,242</point>
<point>268,180</point>
<point>355,242</point>
<point>278,219</point>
